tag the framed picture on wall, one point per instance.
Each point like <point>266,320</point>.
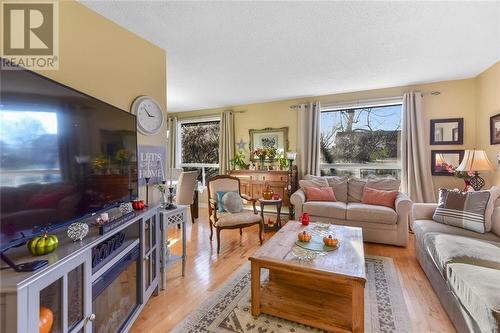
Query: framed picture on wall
<point>443,162</point>
<point>268,138</point>
<point>495,129</point>
<point>447,131</point>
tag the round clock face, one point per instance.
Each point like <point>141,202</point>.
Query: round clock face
<point>149,115</point>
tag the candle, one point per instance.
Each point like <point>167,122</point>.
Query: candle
<point>161,168</point>
<point>148,173</point>
<point>171,171</point>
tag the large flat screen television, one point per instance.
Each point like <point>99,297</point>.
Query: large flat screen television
<point>64,155</point>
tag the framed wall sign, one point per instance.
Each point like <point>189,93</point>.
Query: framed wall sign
<point>444,161</point>
<point>495,129</point>
<point>151,163</point>
<point>447,131</point>
<point>268,138</point>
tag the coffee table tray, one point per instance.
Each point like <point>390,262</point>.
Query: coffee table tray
<point>316,244</point>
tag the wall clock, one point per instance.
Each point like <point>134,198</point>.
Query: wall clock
<point>149,115</point>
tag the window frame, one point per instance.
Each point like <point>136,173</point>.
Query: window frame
<point>373,103</point>
<point>178,146</point>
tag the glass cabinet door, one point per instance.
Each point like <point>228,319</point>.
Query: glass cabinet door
<point>60,301</point>
<point>151,259</point>
<point>51,307</point>
<point>76,311</point>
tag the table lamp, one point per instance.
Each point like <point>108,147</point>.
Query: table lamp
<point>475,161</point>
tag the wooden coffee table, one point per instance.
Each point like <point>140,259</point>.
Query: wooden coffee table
<point>327,293</point>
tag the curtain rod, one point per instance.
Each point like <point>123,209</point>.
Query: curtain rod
<point>367,100</point>
<point>201,115</point>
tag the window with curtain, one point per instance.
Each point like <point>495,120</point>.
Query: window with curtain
<point>359,142</point>
<point>198,147</point>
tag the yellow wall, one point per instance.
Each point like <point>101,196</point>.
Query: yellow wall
<point>488,104</point>
<point>457,100</point>
<point>104,60</point>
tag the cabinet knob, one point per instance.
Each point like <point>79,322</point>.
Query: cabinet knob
<point>92,317</point>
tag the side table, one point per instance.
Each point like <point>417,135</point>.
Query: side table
<point>177,216</point>
<point>278,203</point>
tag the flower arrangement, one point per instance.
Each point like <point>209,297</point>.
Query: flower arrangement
<point>99,162</point>
<point>465,175</point>
<point>260,153</point>
<point>162,188</point>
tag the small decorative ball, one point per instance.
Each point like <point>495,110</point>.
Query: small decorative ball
<point>126,207</point>
<point>77,231</point>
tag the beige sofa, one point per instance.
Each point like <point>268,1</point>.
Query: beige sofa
<point>380,224</point>
<point>463,267</point>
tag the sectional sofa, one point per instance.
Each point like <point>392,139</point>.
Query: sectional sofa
<point>463,267</point>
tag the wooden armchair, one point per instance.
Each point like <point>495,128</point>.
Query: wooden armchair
<point>226,220</point>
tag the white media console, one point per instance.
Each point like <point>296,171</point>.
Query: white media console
<point>85,294</point>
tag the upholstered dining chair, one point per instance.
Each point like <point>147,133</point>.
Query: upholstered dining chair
<point>186,186</point>
<point>176,173</point>
<point>226,220</point>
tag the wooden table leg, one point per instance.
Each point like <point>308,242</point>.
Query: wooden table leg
<point>255,288</point>
<point>278,215</point>
<point>358,307</point>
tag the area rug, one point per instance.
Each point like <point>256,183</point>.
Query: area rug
<point>228,310</point>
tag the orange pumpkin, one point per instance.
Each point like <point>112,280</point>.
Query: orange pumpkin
<point>46,320</point>
<point>304,236</point>
<point>330,241</point>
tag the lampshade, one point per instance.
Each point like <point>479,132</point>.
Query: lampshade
<point>291,155</point>
<point>475,160</point>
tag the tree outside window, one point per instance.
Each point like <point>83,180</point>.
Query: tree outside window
<point>199,147</point>
<point>361,142</point>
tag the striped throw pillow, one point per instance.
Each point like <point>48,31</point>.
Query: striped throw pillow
<point>462,209</point>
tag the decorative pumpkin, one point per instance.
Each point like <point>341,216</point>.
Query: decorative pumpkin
<point>138,204</point>
<point>46,320</point>
<point>41,245</point>
<point>330,241</point>
<point>304,236</point>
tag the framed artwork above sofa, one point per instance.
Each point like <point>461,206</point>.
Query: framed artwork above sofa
<point>495,129</point>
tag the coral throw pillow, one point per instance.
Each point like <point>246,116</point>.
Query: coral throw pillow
<point>319,194</point>
<point>372,196</point>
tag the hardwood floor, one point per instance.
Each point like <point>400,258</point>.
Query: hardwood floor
<point>206,272</point>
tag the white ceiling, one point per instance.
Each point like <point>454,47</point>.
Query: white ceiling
<point>229,53</point>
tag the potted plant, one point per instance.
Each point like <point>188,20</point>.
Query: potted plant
<point>271,154</point>
<point>238,161</point>
<point>282,161</point>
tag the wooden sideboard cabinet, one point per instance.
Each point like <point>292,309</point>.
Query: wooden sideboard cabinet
<point>253,182</point>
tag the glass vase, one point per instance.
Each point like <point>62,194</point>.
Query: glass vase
<point>163,199</point>
<point>262,165</point>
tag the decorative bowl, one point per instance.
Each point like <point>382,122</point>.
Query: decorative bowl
<point>303,254</point>
<point>267,194</point>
